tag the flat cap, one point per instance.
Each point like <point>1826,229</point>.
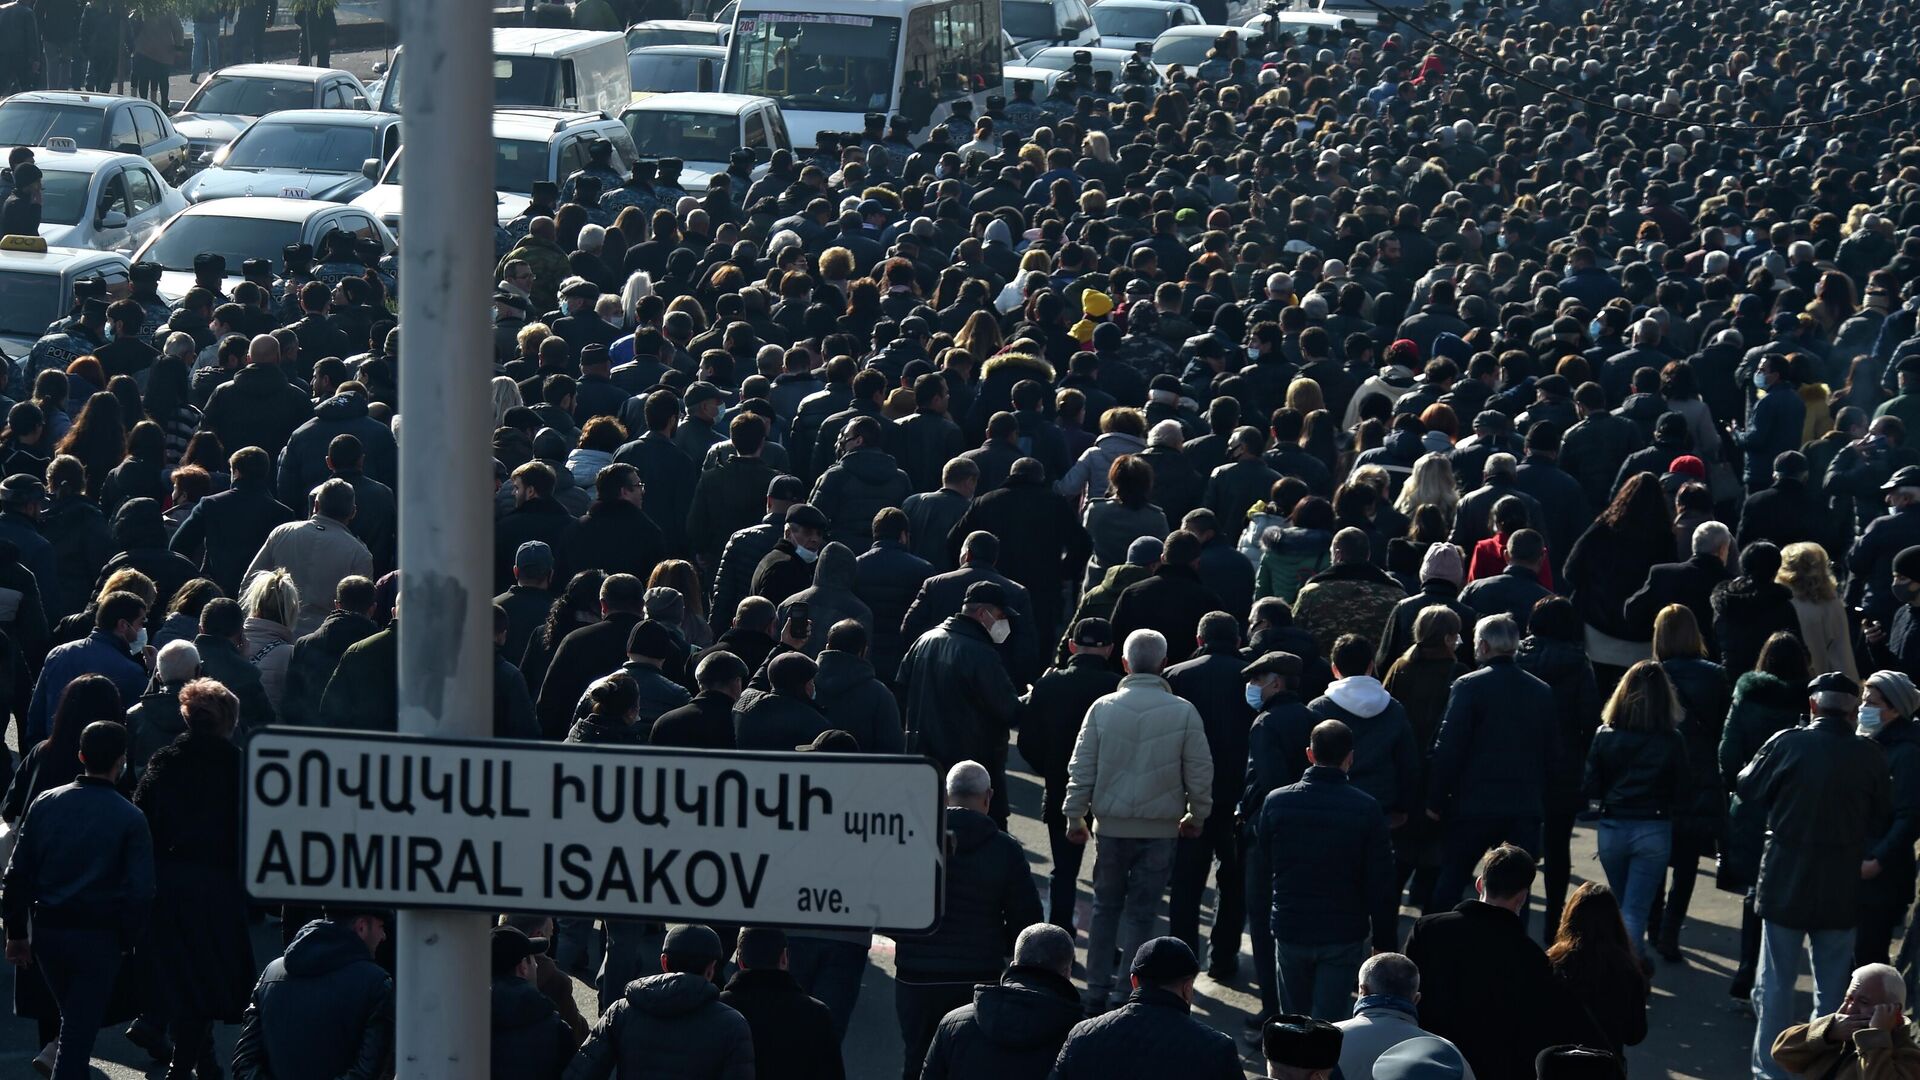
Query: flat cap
<point>1164,959</point>
<point>1301,1042</point>
<point>1093,632</point>
<point>806,516</point>
<point>1284,664</point>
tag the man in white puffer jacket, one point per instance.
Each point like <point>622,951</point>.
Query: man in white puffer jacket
<point>1142,766</point>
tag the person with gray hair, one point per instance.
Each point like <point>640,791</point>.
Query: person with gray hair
<point>1013,1028</point>
<point>1869,1035</point>
<point>990,898</point>
<point>1690,583</point>
<point>318,552</point>
<point>1825,794</point>
<point>1141,765</point>
<point>1386,1014</point>
<point>1498,743</point>
<point>155,720</point>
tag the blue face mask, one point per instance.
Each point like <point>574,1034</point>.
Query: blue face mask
<point>1870,720</point>
<point>1759,380</point>
<point>1256,696</point>
<point>1594,328</point>
<point>1503,241</point>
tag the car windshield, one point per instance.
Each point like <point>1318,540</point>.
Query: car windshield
<point>1029,21</point>
<point>1187,50</point>
<point>64,198</point>
<point>236,239</point>
<point>315,147</point>
<point>640,37</point>
<point>32,123</point>
<point>832,63</point>
<point>665,73</point>
<point>1129,22</point>
<point>29,302</point>
<point>689,136</point>
<point>517,80</point>
<point>1062,60</point>
<point>246,96</point>
<point>517,163</point>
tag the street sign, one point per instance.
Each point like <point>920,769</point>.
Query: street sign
<point>852,841</point>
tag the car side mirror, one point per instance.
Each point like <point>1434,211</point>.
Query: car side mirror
<point>113,219</point>
<point>380,67</point>
<point>370,168</point>
<point>175,106</point>
<point>360,102</point>
<point>127,148</point>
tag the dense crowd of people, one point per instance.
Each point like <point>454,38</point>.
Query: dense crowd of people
<point>1341,470</point>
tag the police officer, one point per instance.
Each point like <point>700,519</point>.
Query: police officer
<point>599,164</point>
<point>209,273</point>
<point>296,264</point>
<point>899,141</point>
<point>337,259</point>
<point>71,338</point>
<point>373,256</point>
<point>1059,103</point>
<point>587,189</point>
<point>545,196</point>
<point>739,174</point>
<point>145,277</point>
<point>636,191</point>
<point>826,151</point>
<point>873,134</point>
<point>666,184</point>
<point>1023,114</point>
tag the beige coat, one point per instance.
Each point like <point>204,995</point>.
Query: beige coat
<point>1823,626</point>
<point>318,552</point>
<point>1141,763</point>
<point>1803,1050</point>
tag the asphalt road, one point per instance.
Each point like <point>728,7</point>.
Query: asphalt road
<point>1693,1033</point>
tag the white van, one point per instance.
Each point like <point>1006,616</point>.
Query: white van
<point>576,70</point>
<point>1036,24</point>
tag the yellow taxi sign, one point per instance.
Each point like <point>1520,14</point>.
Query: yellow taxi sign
<point>34,244</point>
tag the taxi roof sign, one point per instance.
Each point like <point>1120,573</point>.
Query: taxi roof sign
<point>35,244</point>
<point>62,144</point>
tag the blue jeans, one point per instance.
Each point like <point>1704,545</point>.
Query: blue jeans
<point>1319,980</point>
<point>1634,855</point>
<point>1832,954</point>
<point>1129,878</point>
<point>1259,887</point>
<point>830,971</point>
<point>206,47</point>
<point>79,967</point>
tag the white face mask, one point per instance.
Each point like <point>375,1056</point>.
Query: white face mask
<point>805,554</point>
<point>139,640</point>
<point>999,631</point>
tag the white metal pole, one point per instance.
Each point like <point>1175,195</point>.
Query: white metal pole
<point>446,474</point>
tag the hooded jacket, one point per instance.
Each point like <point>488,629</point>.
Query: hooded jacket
<point>855,701</point>
<point>829,599</point>
<point>140,535</point>
<point>671,1025</point>
<point>858,486</point>
<point>1386,758</point>
<point>530,1040</point>
<point>1288,558</point>
<point>1088,475</point>
<point>1012,1030</point>
<point>322,1010</point>
<point>303,463</point>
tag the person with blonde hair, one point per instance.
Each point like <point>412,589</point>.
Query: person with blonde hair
<point>1805,569</point>
<point>272,603</point>
<point>1431,483</point>
<point>1637,771</point>
<point>506,395</point>
<point>1704,692</point>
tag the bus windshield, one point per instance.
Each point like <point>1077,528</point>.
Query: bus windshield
<point>827,62</point>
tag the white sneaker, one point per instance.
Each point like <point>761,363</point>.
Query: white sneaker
<point>43,1064</point>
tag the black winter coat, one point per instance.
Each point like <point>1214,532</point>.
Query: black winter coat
<point>1827,796</point>
<point>1593,450</point>
<point>223,532</point>
<point>617,537</point>
<point>303,463</point>
<point>1704,693</point>
<point>542,519</point>
<point>1340,888</point>
<point>990,898</point>
<point>1041,539</point>
<point>854,700</point>
<point>1603,570</point>
<point>1276,752</point>
<point>321,1010</point>
<point>781,573</point>
<point>1151,1035</point>
<point>671,1024</point>
<point>1783,514</point>
<point>925,442</point>
<point>941,596</point>
<point>1893,889</point>
<point>1496,747</point>
<point>314,658</point>
<point>1485,985</point>
<point>671,477</point>
<point>1050,718</point>
<point>257,407</point>
<point>1012,1030</point>
<point>1563,666</point>
<point>1211,681</point>
<point>792,1033</point>
<point>1745,614</point>
<point>886,577</point>
<point>1513,591</point>
<point>1689,583</point>
<point>1179,487</point>
<point>1398,637</point>
<point>931,517</point>
<point>530,1040</point>
<point>958,699</point>
<point>726,499</point>
<point>584,655</point>
<point>858,486</point>
<point>733,581</point>
<point>1172,601</point>
<point>705,723</point>
<point>775,721</point>
<point>82,543</point>
<point>1636,775</point>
